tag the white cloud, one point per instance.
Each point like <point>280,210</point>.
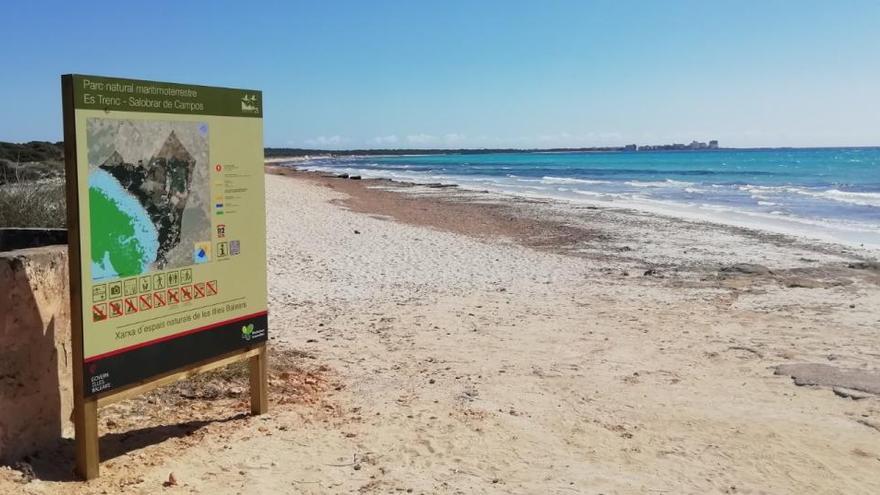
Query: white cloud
<point>420,139</point>
<point>566,139</point>
<point>562,139</point>
<point>324,141</point>
<point>448,139</point>
<point>453,138</point>
<point>386,140</point>
<point>554,138</point>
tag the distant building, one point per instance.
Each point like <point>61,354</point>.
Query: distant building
<point>695,145</point>
<point>630,147</point>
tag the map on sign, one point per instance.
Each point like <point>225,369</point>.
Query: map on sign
<point>149,195</point>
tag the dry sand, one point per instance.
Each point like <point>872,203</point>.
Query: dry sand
<point>433,341</point>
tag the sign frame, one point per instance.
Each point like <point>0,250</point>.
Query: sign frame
<point>85,409</point>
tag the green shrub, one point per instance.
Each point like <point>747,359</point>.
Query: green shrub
<point>34,151</point>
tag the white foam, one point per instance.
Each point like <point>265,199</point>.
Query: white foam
<point>856,198</point>
<point>665,183</point>
<point>567,180</point>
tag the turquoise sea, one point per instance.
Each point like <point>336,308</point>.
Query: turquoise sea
<point>830,193</point>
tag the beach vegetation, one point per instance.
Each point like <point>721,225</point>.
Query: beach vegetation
<point>29,203</point>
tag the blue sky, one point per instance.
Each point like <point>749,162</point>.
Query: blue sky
<point>475,74</point>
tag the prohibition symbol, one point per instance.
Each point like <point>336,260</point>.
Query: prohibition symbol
<point>131,305</point>
<point>146,302</point>
<point>116,308</point>
<point>99,312</point>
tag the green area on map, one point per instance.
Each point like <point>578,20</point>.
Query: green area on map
<point>113,236</point>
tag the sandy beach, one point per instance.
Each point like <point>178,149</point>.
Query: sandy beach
<point>432,340</point>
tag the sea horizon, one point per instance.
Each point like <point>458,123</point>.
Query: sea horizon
<point>277,152</point>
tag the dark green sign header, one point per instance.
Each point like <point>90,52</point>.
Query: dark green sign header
<point>130,95</point>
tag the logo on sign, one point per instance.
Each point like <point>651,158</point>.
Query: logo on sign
<point>249,104</point>
<point>249,332</point>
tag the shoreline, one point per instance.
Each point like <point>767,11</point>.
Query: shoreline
<point>682,213</point>
<point>852,235</point>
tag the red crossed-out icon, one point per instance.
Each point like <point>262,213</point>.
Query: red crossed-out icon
<point>116,308</point>
<point>131,305</point>
<point>211,288</point>
<point>99,312</point>
<point>173,296</point>
<point>199,289</point>
<point>146,302</point>
<point>159,299</point>
<point>186,293</point>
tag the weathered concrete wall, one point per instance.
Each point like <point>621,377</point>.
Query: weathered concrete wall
<point>35,354</point>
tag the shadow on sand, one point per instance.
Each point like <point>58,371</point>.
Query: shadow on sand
<point>58,464</point>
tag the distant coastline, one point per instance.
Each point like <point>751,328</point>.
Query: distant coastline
<point>271,152</point>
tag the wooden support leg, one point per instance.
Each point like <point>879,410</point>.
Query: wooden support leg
<point>259,384</point>
<point>86,430</point>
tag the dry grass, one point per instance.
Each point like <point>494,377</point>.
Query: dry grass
<point>33,204</point>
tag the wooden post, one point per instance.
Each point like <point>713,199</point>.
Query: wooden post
<point>86,424</point>
<point>85,410</point>
<point>259,382</point>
